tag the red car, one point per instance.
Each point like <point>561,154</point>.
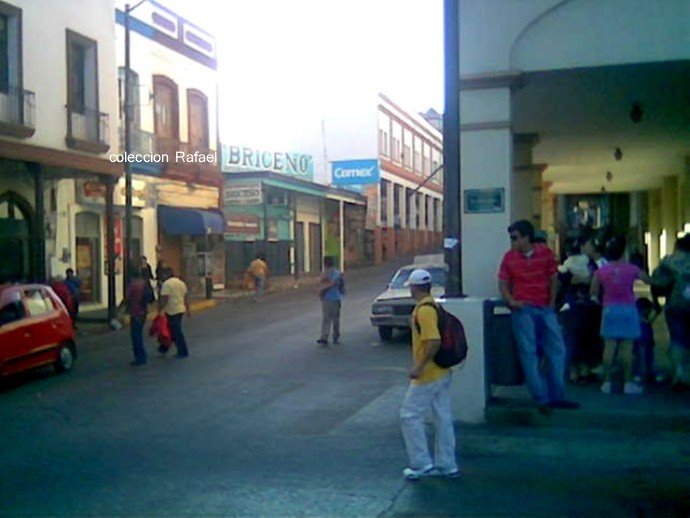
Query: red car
<point>35,329</point>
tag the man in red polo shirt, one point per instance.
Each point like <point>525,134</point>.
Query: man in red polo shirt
<point>528,281</point>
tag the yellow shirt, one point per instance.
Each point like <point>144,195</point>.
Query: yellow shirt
<point>427,319</point>
<point>258,268</point>
<point>175,289</point>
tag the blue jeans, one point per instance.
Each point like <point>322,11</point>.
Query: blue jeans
<point>527,322</point>
<point>136,332</point>
<point>175,323</point>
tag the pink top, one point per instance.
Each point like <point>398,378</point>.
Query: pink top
<point>617,279</point>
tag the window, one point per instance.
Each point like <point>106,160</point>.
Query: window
<point>82,77</point>
<point>13,310</point>
<point>87,128</point>
<point>134,100</point>
<point>10,46</point>
<point>384,203</point>
<point>197,105</point>
<point>397,192</point>
<point>383,142</point>
<point>38,302</point>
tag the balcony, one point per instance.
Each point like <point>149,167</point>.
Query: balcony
<point>87,130</point>
<point>17,112</point>
<point>194,171</point>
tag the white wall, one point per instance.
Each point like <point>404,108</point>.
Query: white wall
<point>45,62</point>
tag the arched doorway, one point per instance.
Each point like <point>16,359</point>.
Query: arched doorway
<point>16,225</point>
<point>88,255</point>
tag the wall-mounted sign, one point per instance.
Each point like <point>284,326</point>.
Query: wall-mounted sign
<point>485,201</point>
<point>243,194</point>
<point>355,172</point>
<point>242,159</point>
<point>243,224</point>
<point>93,191</point>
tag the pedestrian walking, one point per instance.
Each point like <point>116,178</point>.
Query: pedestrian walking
<point>62,290</point>
<point>258,270</point>
<point>146,275</point>
<point>174,302</point>
<point>674,274</point>
<point>428,392</point>
<point>161,268</point>
<point>620,323</point>
<point>331,297</point>
<point>137,299</point>
<point>74,284</point>
<point>528,281</point>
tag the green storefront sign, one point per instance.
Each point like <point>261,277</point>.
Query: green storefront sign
<point>236,159</point>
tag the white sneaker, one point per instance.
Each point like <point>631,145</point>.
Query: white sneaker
<point>632,388</point>
<point>416,474</point>
<point>606,387</point>
<point>445,473</point>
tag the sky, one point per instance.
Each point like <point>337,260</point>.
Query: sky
<point>281,60</point>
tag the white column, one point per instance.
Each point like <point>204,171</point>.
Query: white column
<point>486,154</point>
<point>402,203</point>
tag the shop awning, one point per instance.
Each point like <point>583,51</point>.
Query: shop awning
<point>175,221</point>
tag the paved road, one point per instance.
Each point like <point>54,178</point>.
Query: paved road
<point>259,421</point>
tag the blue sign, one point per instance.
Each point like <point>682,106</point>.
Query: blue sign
<point>355,172</point>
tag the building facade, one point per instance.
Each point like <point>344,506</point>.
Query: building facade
<point>271,204</point>
<point>405,208</point>
<point>173,151</point>
<point>58,113</point>
<point>574,114</point>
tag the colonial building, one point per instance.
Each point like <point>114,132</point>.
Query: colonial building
<point>573,115</point>
<point>173,96</point>
<point>58,125</point>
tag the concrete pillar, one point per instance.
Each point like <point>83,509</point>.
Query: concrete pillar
<point>654,219</point>
<point>486,151</point>
<point>526,180</point>
<point>669,212</point>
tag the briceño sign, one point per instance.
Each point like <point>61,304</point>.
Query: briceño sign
<point>238,159</point>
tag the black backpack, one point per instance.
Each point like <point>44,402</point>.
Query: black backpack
<point>453,348</point>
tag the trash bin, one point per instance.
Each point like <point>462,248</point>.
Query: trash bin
<point>500,350</point>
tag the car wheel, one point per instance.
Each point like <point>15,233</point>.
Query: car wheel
<point>385,332</point>
<point>65,361</point>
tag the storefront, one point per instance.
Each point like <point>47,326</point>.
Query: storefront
<point>294,222</point>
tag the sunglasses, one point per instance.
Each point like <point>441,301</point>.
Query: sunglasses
<point>514,237</point>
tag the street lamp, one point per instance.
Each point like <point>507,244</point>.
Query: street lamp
<point>128,149</point>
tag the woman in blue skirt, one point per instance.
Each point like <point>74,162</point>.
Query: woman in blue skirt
<point>620,323</point>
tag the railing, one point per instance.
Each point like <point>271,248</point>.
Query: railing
<point>143,142</point>
<point>87,128</point>
<point>18,108</point>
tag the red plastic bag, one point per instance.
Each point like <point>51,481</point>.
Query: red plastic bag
<point>161,329</point>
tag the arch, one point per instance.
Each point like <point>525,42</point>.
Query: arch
<point>589,33</point>
<point>17,261</point>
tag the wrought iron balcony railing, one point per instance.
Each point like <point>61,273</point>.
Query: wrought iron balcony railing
<point>17,112</point>
<point>87,129</point>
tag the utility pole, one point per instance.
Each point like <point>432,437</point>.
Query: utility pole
<point>451,149</point>
<point>126,255</point>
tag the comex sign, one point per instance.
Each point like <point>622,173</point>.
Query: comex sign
<point>355,172</point>
<point>241,159</point>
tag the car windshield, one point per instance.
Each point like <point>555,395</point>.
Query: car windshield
<point>438,277</point>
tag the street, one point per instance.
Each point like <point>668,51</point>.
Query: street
<point>260,421</point>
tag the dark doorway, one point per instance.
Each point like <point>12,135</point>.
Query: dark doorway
<point>314,247</point>
<point>16,218</point>
<point>299,246</point>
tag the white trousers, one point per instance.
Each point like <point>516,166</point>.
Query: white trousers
<point>431,397</point>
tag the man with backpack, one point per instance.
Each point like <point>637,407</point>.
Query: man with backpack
<point>428,391</point>
<point>331,295</point>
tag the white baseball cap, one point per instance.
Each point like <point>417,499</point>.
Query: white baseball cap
<point>419,277</point>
